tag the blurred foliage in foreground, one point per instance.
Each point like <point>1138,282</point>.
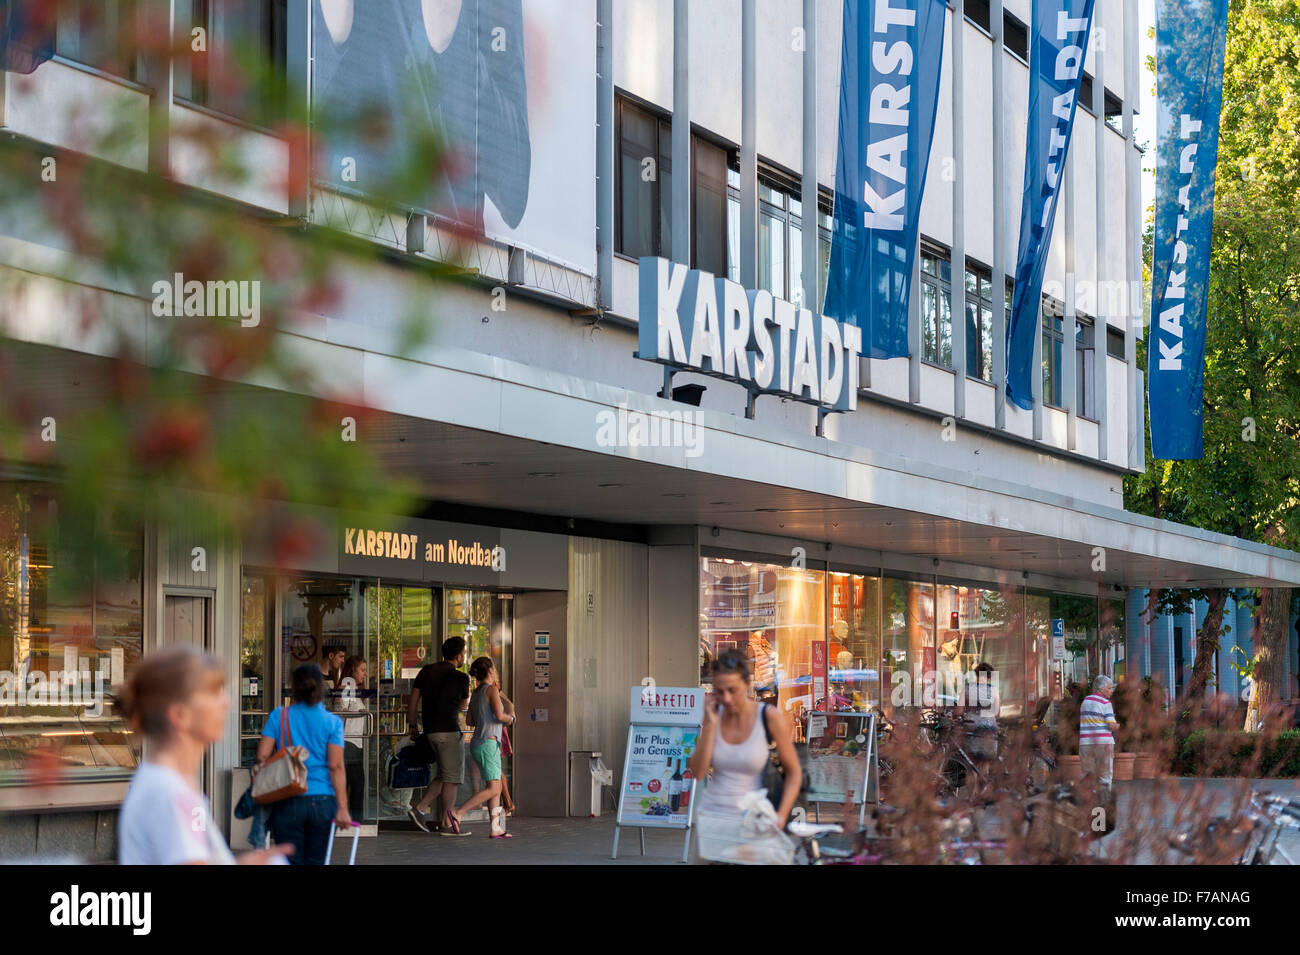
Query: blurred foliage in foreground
<point>140,418</point>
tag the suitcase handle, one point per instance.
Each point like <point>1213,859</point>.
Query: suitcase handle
<point>356,836</point>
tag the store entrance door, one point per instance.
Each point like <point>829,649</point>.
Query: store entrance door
<point>186,621</point>
<point>485,621</point>
<point>403,633</point>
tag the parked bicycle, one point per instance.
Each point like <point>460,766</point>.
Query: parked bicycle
<point>1250,837</point>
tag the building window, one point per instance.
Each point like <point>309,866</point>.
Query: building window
<point>824,223</point>
<point>709,207</point>
<point>1085,92</point>
<point>1114,112</point>
<point>1085,368</point>
<point>242,71</point>
<point>644,182</point>
<point>645,189</point>
<point>71,632</point>
<point>1015,35</point>
<point>1054,358</point>
<point>936,307</point>
<point>1053,349</point>
<point>1115,343</point>
<point>780,237</point>
<point>979,322</point>
<point>99,33</point>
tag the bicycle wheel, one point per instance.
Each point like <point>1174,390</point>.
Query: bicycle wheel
<point>952,776</point>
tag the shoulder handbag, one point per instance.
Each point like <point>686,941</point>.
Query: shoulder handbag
<point>285,773</point>
<point>774,772</point>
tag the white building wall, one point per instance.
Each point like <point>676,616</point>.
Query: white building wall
<point>542,335</point>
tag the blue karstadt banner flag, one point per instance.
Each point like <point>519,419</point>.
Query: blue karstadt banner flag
<point>26,34</point>
<point>1058,45</point>
<point>889,90</point>
<point>1190,37</point>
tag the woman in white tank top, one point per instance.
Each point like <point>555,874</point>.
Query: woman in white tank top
<point>733,741</point>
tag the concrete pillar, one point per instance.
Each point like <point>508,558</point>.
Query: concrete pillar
<point>999,218</point>
<point>1069,324</point>
<point>1137,634</point>
<point>958,290</point>
<point>681,136</point>
<point>812,288</point>
<point>605,152</point>
<point>1133,244</point>
<point>1162,652</point>
<point>1100,189</point>
<point>748,146</point>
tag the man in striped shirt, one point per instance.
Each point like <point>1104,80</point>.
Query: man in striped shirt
<point>1097,728</point>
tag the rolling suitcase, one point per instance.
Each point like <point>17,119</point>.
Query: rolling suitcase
<point>356,836</point>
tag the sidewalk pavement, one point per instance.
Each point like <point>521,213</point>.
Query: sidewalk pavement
<point>558,841</point>
<point>536,841</point>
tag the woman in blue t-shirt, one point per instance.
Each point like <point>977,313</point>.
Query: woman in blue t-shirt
<point>308,821</point>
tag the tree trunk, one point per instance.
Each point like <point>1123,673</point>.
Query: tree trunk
<point>1270,639</point>
<point>1207,645</point>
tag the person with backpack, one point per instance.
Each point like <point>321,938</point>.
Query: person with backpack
<point>439,695</point>
<point>733,742</point>
<point>307,821</point>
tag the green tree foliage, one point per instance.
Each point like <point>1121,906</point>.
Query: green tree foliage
<point>1247,483</point>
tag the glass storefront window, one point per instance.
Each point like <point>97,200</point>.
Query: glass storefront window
<point>980,626</point>
<point>68,636</point>
<point>1083,650</point>
<point>776,616</point>
<point>1043,677</point>
<point>321,614</point>
<point>255,675</point>
<point>908,658</point>
<point>1112,637</point>
<point>854,642</point>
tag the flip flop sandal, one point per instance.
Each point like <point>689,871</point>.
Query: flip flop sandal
<point>453,823</point>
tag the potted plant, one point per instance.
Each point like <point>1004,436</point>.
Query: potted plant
<point>1126,700</point>
<point>1067,733</point>
<point>1138,708</point>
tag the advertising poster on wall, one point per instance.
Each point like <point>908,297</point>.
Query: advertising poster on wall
<point>388,76</point>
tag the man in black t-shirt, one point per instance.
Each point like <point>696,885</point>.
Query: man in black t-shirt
<point>444,691</point>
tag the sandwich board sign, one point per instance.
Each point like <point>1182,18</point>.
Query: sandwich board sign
<point>841,758</point>
<point>656,790</point>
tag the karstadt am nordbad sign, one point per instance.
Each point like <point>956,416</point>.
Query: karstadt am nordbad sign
<point>692,321</point>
